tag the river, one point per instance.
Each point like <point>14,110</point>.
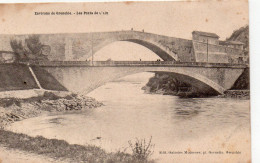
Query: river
<point>175,124</point>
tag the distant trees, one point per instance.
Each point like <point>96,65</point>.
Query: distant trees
<point>30,50</point>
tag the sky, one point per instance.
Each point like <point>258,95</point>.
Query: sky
<point>176,19</point>
<point>125,51</point>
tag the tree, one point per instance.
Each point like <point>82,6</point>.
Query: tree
<point>34,45</point>
<point>33,48</point>
<point>18,49</point>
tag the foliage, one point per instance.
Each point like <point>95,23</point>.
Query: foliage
<point>165,82</point>
<point>32,49</point>
<point>34,45</point>
<point>241,35</point>
<point>141,150</point>
<point>17,48</point>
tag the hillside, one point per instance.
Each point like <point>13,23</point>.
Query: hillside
<point>241,35</point>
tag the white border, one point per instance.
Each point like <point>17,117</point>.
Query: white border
<point>254,26</point>
<point>41,1</point>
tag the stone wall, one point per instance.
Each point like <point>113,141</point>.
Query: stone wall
<point>16,77</point>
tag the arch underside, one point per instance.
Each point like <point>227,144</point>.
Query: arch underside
<point>157,50</point>
<point>148,44</point>
<point>86,79</point>
<point>202,85</point>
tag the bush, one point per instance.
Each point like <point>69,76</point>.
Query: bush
<point>141,150</point>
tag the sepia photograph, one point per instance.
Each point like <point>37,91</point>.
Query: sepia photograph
<point>125,82</point>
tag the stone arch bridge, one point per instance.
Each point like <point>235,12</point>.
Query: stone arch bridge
<point>87,76</point>
<point>81,46</point>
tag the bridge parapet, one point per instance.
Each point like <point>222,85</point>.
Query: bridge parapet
<point>135,64</point>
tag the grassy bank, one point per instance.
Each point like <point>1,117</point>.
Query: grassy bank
<point>61,150</point>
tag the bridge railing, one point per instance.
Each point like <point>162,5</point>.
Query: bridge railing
<point>132,63</point>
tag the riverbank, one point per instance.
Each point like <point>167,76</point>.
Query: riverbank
<point>240,94</point>
<point>60,150</point>
<point>17,109</point>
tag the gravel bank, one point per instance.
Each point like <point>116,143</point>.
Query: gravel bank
<point>239,94</point>
<point>14,109</point>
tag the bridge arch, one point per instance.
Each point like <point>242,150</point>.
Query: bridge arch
<point>201,83</point>
<point>162,51</point>
<point>76,77</point>
<point>159,50</point>
<point>125,51</point>
<point>86,79</point>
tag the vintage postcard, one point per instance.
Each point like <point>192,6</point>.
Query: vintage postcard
<point>125,82</point>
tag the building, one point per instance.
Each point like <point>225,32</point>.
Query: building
<point>208,48</point>
<point>233,44</point>
<point>205,37</point>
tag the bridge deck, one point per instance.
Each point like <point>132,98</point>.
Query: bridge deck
<point>134,64</point>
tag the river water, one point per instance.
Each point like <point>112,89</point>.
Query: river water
<point>175,124</point>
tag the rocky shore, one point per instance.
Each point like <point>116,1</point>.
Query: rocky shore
<point>240,94</point>
<point>15,109</point>
<point>164,83</point>
<point>167,84</point>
